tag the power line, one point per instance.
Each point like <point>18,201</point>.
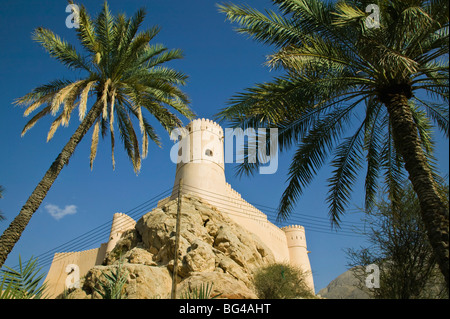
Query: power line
<point>314,225</point>
<point>87,239</point>
<point>93,236</point>
<point>272,211</point>
<point>103,230</point>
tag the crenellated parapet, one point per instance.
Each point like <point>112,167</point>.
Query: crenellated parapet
<point>205,125</point>
<point>293,228</point>
<point>231,192</point>
<point>200,165</point>
<point>295,235</point>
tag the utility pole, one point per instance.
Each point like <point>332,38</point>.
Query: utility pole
<point>177,243</point>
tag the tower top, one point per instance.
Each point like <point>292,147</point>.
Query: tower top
<point>204,125</point>
<point>293,228</point>
<point>200,158</point>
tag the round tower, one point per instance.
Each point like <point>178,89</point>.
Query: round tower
<point>121,223</point>
<point>298,253</point>
<point>200,160</point>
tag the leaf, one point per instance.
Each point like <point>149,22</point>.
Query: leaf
<point>83,99</point>
<point>94,143</point>
<point>23,283</point>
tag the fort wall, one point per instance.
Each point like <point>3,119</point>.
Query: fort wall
<point>84,260</point>
<point>203,173</point>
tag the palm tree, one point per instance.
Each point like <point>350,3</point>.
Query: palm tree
<point>124,75</point>
<point>2,217</point>
<point>385,84</point>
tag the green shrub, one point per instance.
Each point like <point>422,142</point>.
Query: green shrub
<point>280,281</point>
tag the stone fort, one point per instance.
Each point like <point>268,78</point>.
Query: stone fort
<point>200,166</point>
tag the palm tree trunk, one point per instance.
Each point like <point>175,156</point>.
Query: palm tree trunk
<point>12,234</point>
<point>433,211</point>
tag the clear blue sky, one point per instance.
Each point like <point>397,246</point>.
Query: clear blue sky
<point>219,63</point>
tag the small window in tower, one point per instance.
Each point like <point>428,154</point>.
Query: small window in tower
<point>180,152</point>
<point>208,152</point>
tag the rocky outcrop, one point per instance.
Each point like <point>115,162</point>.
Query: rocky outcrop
<point>345,286</point>
<point>213,249</point>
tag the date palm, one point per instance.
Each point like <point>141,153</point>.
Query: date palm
<point>365,94</point>
<point>2,217</point>
<point>125,77</point>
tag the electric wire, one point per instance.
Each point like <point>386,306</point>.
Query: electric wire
<point>312,225</point>
<point>99,233</point>
<point>220,201</point>
<point>93,236</point>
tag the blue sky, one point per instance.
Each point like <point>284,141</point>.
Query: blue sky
<point>219,63</point>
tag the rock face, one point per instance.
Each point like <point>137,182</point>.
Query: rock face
<point>213,249</point>
<point>345,286</point>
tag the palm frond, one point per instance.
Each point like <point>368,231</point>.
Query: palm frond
<point>40,95</point>
<point>83,99</point>
<point>128,137</point>
<point>394,172</point>
<point>126,75</point>
<point>312,154</point>
<point>376,120</point>
<point>438,113</point>
<point>269,28</point>
<point>60,49</point>
<point>54,126</point>
<point>86,32</point>
<point>347,162</point>
<point>35,118</point>
<point>24,283</point>
<point>94,143</point>
<point>104,25</point>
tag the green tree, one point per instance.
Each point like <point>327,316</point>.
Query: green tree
<point>281,281</point>
<point>354,91</point>
<point>125,76</point>
<point>398,244</point>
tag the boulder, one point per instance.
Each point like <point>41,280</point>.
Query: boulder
<point>345,286</point>
<point>212,249</point>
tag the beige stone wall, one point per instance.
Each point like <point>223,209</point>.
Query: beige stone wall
<point>298,253</point>
<point>204,176</point>
<point>287,244</point>
<point>201,158</point>
<point>85,260</point>
<point>121,223</point>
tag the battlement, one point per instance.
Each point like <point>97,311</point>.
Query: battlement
<point>231,192</point>
<point>295,236</point>
<point>205,125</point>
<point>293,228</point>
<point>74,255</point>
